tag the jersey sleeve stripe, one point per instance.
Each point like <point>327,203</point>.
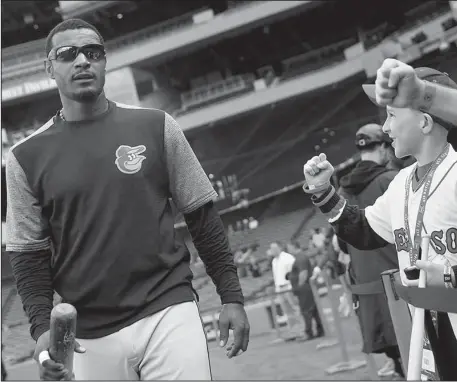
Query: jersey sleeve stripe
<point>40,130</point>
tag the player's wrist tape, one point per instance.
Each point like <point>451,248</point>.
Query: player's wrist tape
<point>43,356</point>
<point>329,203</point>
<point>447,276</point>
<point>324,198</point>
<point>314,189</point>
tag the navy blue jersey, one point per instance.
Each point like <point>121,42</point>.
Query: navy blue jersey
<point>97,194</point>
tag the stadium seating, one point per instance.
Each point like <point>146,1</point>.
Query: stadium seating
<point>153,31</point>
<point>273,142</point>
<point>422,13</point>
<point>216,92</point>
<point>277,228</point>
<point>280,228</point>
<point>25,58</point>
<point>284,217</point>
<point>315,59</point>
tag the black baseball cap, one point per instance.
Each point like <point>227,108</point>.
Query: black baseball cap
<point>426,74</point>
<point>369,135</point>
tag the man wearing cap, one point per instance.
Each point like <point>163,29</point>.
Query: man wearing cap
<point>362,186</point>
<point>420,200</point>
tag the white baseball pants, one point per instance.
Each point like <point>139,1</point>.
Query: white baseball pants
<point>168,345</point>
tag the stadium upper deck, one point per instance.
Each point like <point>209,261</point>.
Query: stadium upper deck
<point>274,57</point>
<point>186,29</point>
<point>135,36</point>
<point>243,77</point>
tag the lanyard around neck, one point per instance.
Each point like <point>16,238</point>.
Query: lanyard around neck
<point>414,245</point>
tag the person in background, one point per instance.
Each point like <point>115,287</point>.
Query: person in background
<point>253,223</point>
<point>312,253</point>
<point>299,277</point>
<point>238,257</point>
<point>346,306</point>
<point>328,257</point>
<point>253,266</point>
<point>245,259</point>
<point>368,180</point>
<point>318,237</point>
<point>281,264</point>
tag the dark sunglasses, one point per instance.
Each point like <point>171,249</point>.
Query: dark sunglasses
<point>93,52</point>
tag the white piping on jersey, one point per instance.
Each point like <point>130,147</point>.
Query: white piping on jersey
<point>132,107</point>
<point>125,106</point>
<point>48,124</point>
<point>42,129</point>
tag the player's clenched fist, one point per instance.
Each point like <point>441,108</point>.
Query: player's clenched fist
<point>397,85</point>
<point>318,172</point>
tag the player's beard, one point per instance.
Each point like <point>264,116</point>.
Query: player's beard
<point>86,96</point>
<point>89,95</point>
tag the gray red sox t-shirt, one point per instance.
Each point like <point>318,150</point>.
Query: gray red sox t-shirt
<point>97,193</point>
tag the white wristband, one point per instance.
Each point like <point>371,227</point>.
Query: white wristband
<point>43,356</point>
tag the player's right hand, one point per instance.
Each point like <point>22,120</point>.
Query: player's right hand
<point>318,170</point>
<point>49,369</point>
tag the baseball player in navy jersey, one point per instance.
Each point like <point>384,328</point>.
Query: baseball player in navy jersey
<point>421,199</point>
<point>89,216</point>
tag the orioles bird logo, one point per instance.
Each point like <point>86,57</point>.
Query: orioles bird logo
<point>128,159</point>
